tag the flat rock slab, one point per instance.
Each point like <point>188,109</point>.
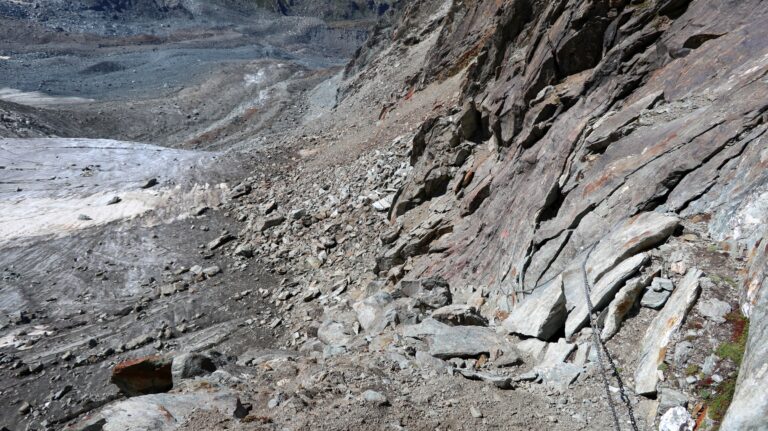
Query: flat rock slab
<point>603,291</point>
<point>560,375</point>
<point>159,411</point>
<point>541,314</point>
<point>714,309</point>
<point>532,347</point>
<point>557,353</point>
<point>659,333</point>
<point>655,299</point>
<point>621,305</point>
<point>447,341</point>
<point>500,381</point>
<point>630,237</point>
<point>459,314</point>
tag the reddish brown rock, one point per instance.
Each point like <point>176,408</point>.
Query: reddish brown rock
<point>142,376</point>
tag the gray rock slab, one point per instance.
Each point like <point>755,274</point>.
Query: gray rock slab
<point>160,411</point>
<point>659,334</point>
<point>714,309</point>
<point>500,381</point>
<point>622,303</point>
<point>466,341</point>
<point>376,312</point>
<point>603,291</point>
<point>749,407</point>
<point>532,347</point>
<point>459,314</point>
<point>560,375</point>
<point>655,299</point>
<point>430,292</point>
<point>447,341</point>
<point>627,238</point>
<point>541,314</point>
<point>669,398</point>
<point>557,353</point>
<point>633,235</point>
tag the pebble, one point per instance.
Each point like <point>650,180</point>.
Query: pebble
<point>374,397</point>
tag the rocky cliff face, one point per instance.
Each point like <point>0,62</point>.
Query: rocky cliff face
<point>579,120</point>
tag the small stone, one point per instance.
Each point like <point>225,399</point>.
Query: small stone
<point>314,262</point>
<point>221,240</point>
<point>61,392</point>
<point>375,398</point>
<point>212,270</point>
<point>83,217</point>
<point>25,408</point>
<point>149,183</point>
<point>244,250</point>
<point>678,267</point>
<point>708,367</point>
<point>269,206</point>
<point>682,352</point>
<point>499,381</point>
<point>669,398</point>
<point>384,204</point>
<point>676,419</point>
<point>114,200</point>
<point>139,341</point>
<point>714,309</point>
<point>265,223</point>
<point>475,412</point>
<point>276,400</point>
<point>655,299</point>
<point>239,190</point>
<point>658,284</point>
<point>19,317</point>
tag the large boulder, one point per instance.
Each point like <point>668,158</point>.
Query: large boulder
<point>147,375</point>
